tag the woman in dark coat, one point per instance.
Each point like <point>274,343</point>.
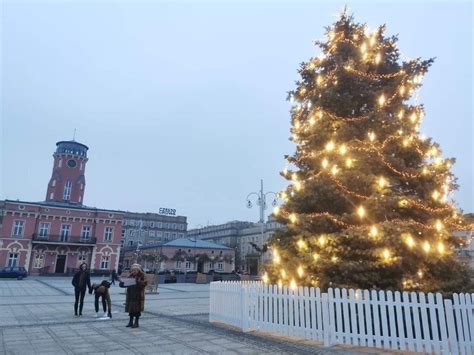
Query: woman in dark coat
<point>80,281</point>
<point>135,300</point>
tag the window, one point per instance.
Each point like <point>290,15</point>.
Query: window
<point>158,225</point>
<point>188,265</point>
<point>167,236</point>
<point>211,266</point>
<point>152,233</point>
<point>104,262</point>
<point>123,233</point>
<point>108,234</point>
<point>65,230</point>
<point>38,263</point>
<point>220,266</point>
<point>130,243</point>
<point>86,232</point>
<point>60,163</point>
<point>173,226</point>
<point>158,234</point>
<point>12,259</point>
<point>53,183</point>
<point>178,264</point>
<point>51,195</point>
<point>43,230</point>
<point>67,191</point>
<point>173,235</point>
<point>152,224</point>
<point>18,227</point>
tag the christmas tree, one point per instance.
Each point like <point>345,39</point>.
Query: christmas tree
<point>369,202</point>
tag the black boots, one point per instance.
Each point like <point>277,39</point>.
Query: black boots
<point>109,315</point>
<point>135,325</point>
<point>131,323</point>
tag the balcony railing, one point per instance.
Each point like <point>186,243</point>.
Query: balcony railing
<point>62,239</point>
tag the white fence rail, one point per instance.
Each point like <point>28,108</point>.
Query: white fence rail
<point>415,322</point>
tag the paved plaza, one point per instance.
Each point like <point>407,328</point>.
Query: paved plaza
<point>36,317</point>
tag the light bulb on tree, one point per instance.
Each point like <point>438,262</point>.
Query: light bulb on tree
<point>373,232</point>
<point>361,211</point>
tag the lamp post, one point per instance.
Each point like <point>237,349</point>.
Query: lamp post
<point>199,227</point>
<point>262,204</point>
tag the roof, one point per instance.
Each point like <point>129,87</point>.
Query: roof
<point>62,205</point>
<point>191,243</point>
<point>73,142</point>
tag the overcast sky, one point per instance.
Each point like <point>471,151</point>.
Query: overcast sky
<point>182,104</point>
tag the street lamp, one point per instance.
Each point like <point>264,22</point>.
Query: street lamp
<point>198,227</point>
<point>262,203</point>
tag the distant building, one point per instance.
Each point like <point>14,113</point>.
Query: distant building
<point>183,255</point>
<point>250,257</point>
<point>56,235</point>
<point>466,252</point>
<point>239,235</point>
<point>151,228</point>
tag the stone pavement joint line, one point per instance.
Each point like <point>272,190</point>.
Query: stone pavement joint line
<point>53,287</point>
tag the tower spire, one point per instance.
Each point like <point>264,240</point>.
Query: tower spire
<point>74,135</point>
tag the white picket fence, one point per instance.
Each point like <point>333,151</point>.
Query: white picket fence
<point>389,320</point>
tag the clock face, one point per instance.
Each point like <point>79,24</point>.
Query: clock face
<point>71,163</point>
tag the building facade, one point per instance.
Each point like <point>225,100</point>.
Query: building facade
<point>184,255</point>
<point>466,251</point>
<point>243,237</point>
<point>144,229</point>
<point>56,235</point>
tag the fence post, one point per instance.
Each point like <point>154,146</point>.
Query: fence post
<point>453,341</point>
<point>326,322</point>
<point>244,302</point>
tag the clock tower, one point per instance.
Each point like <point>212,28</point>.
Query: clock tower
<point>67,183</point>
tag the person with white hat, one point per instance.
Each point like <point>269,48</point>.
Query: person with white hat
<point>135,299</point>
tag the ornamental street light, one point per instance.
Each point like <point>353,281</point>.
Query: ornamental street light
<point>199,227</point>
<point>261,201</point>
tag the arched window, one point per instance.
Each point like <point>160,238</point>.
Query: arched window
<point>67,191</point>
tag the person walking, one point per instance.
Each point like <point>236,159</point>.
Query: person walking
<point>80,281</point>
<point>114,277</point>
<point>135,299</point>
<point>102,291</point>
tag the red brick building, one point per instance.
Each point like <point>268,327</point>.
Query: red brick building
<point>56,235</point>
